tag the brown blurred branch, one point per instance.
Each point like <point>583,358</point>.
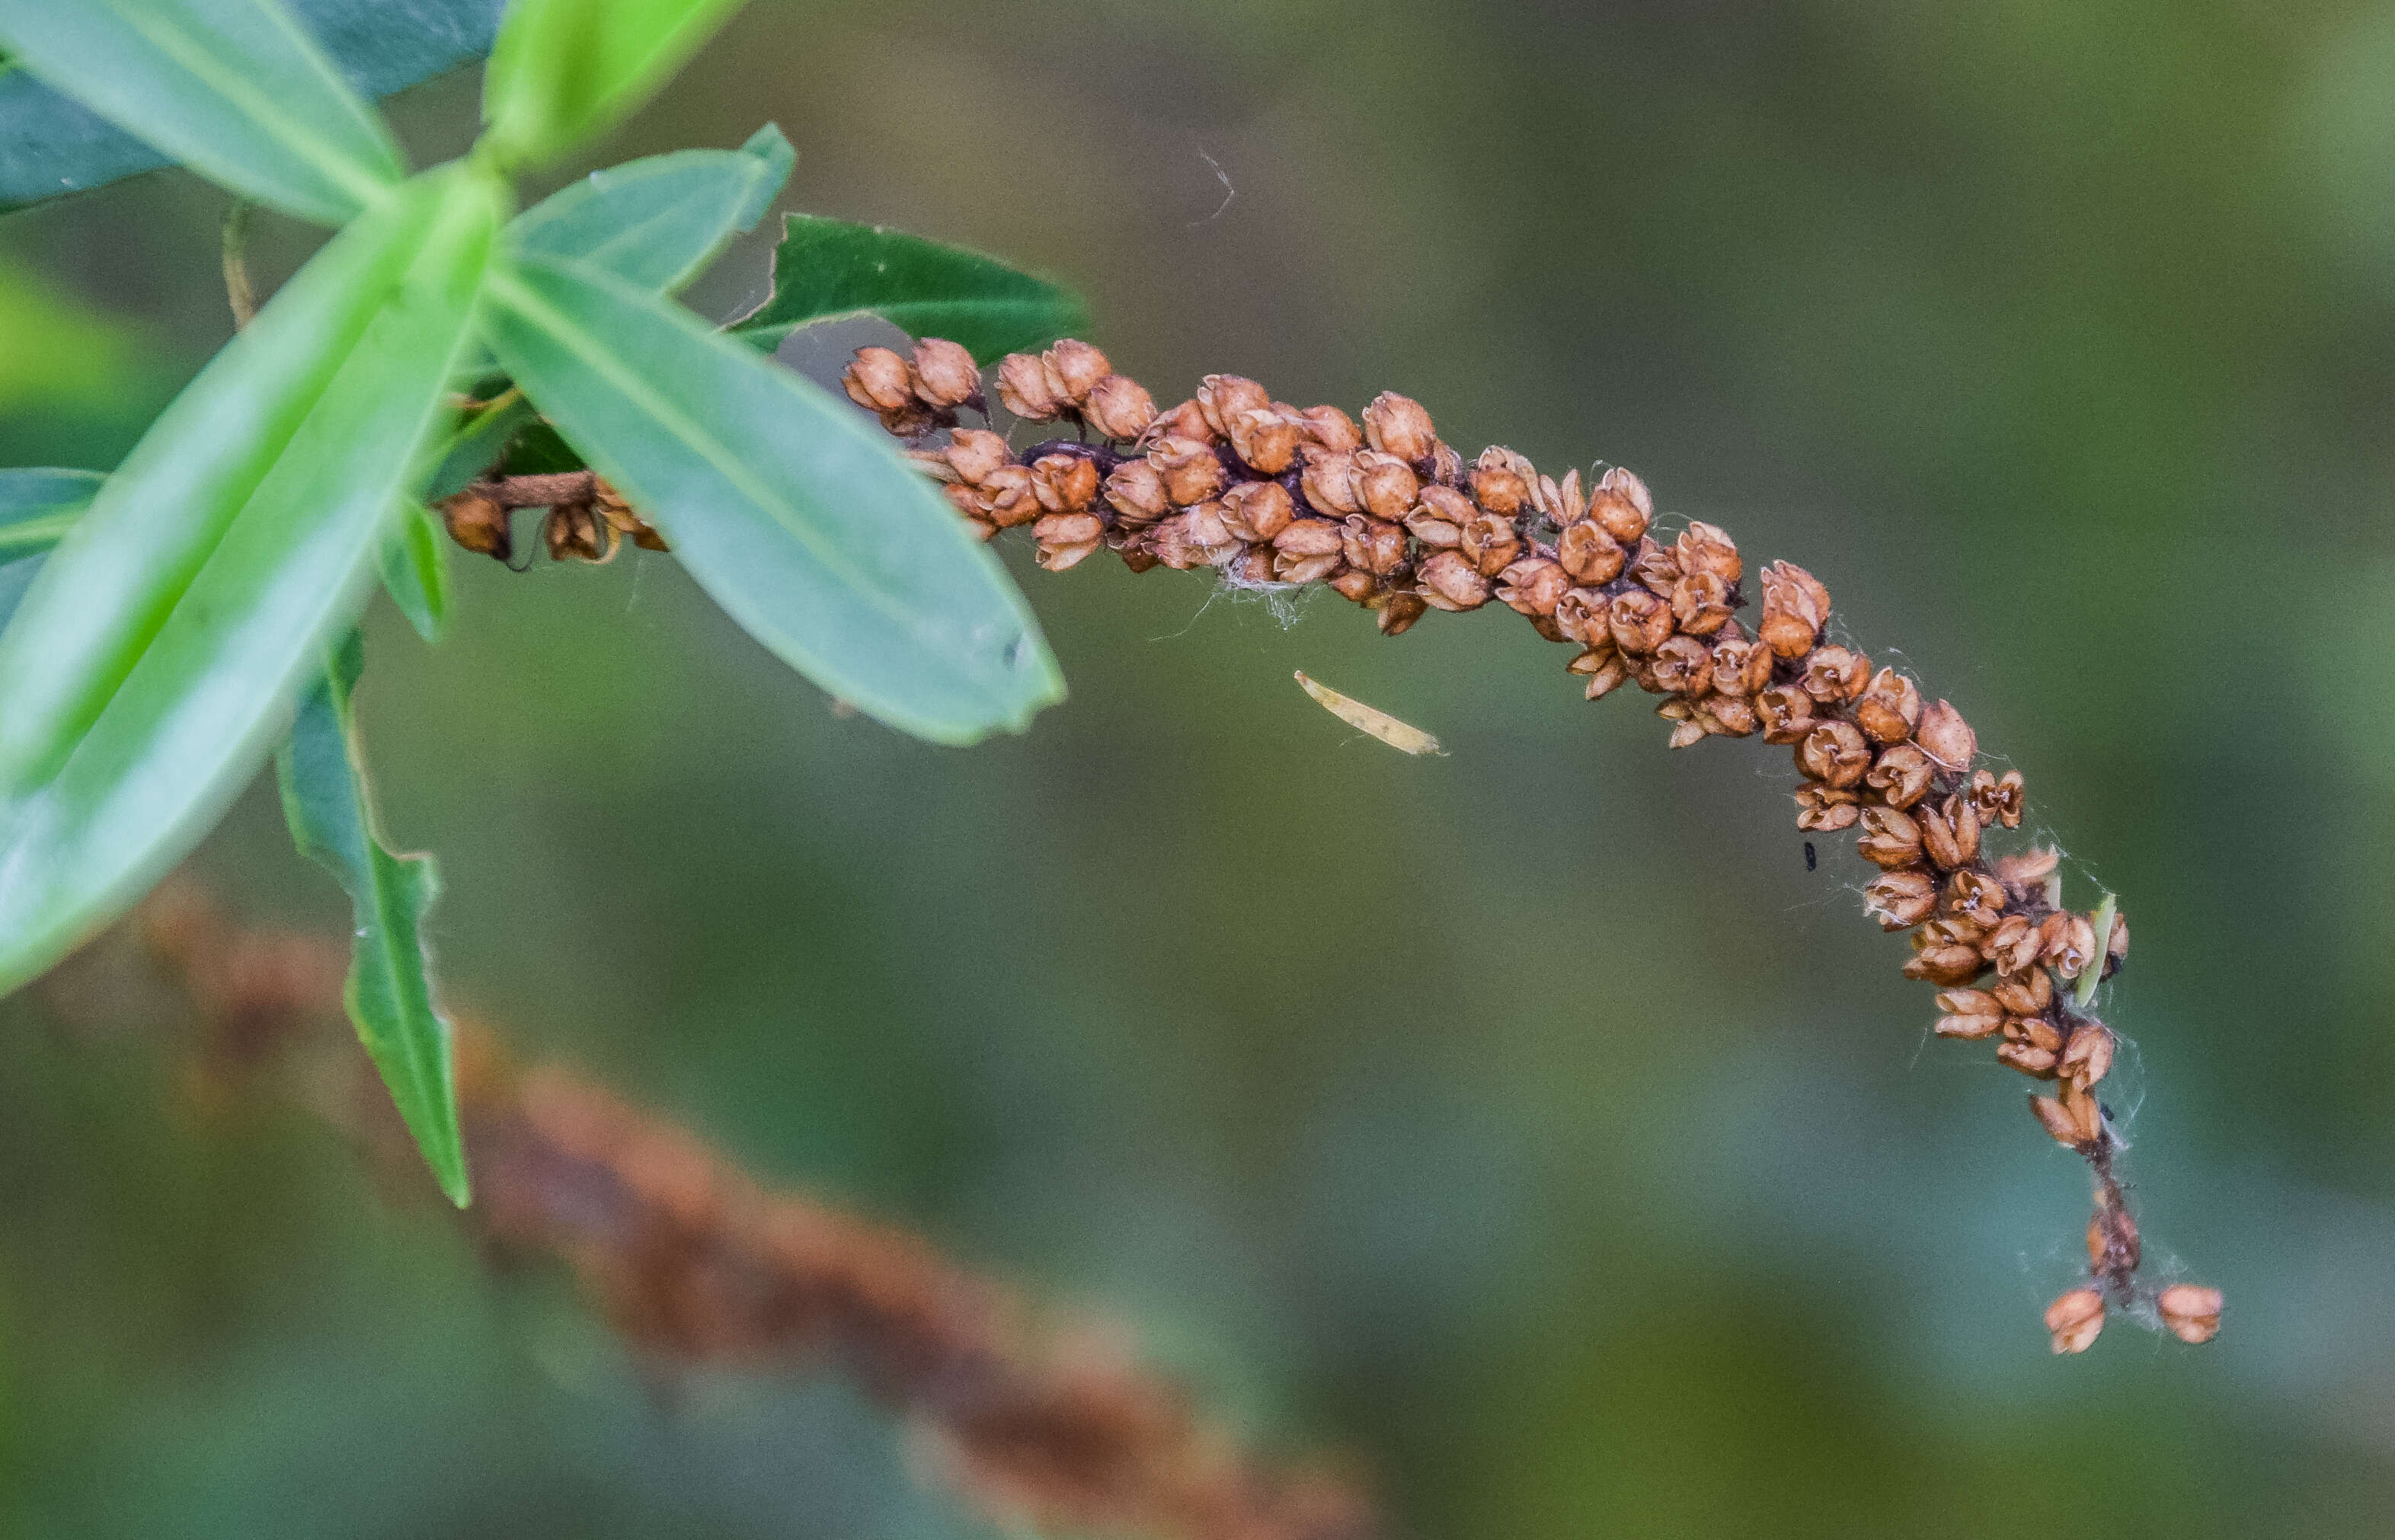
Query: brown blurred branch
<point>695,1262</point>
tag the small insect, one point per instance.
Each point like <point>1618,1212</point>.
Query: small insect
<point>1401,736</point>
<point>1810,859</point>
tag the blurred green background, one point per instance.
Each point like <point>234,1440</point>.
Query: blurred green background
<point>1528,1123</point>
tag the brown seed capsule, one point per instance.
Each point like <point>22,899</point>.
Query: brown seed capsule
<point>974,453</point>
<point>935,464</point>
<point>1639,622</point>
<point>610,506</point>
<point>1560,503</point>
<point>1329,482</point>
<point>1589,554</point>
<point>1385,484</point>
<point>1258,510</point>
<point>1900,775</point>
<point>1397,425</point>
<point>2013,945</point>
<point>1946,738</point>
<point>2029,994</point>
<point>573,533</point>
<point>1446,467</point>
<point>2114,1248</point>
<point>1328,427</point>
<point>1901,900</point>
<point>1490,544</point>
<point>1006,499</point>
<point>965,500</point>
<point>1580,615</point>
<point>1136,492</point>
<point>1684,666</point>
<point>1025,388</point>
<point>1889,838</point>
<point>1225,398</point>
<point>2027,1058</point>
<point>1729,716</point>
<point>1073,369</point>
<point>1968,1013</point>
<point>1704,548</point>
<point>2066,944</point>
<point>2025,870</point>
<point>1999,801</point>
<point>1621,503</point>
<point>1611,675</point>
<point>1949,930</point>
<point>1064,484</point>
<point>2116,948</point>
<point>1399,614</point>
<point>1834,675</point>
<point>1700,604</point>
<point>2071,1124</point>
<point>1497,487</point>
<point>1067,538</point>
<point>1264,441</point>
<point>1374,544</point>
<point>1832,753</point>
<point>1977,896</point>
<point>1950,831</point>
<point>1656,568</point>
<point>2191,1310</point>
<point>2088,1057</point>
<point>1185,421</point>
<point>944,373</point>
<point>2074,1319</point>
<point>1353,583</point>
<point>1889,707</point>
<point>1196,537</point>
<point>876,380</point>
<point>1302,538</point>
<point>1795,607</point>
<point>1534,586</point>
<point>478,523</point>
<point>1787,715</point>
<point>1740,668</point>
<point>1951,964</point>
<point>1120,407</point>
<point>1449,582</point>
<point>1826,810</point>
<point>1192,474</point>
<point>1438,520</point>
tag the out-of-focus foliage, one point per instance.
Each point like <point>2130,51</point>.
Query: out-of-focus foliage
<point>1529,1120</point>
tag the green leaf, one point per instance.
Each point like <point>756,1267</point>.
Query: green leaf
<point>416,570</point>
<point>152,662</point>
<point>828,269</point>
<point>657,222</point>
<point>51,145</point>
<point>475,445</point>
<point>566,71</point>
<point>322,771</point>
<point>791,509</point>
<point>234,88</point>
<point>36,510</point>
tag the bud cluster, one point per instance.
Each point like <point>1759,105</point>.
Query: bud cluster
<point>1388,516</point>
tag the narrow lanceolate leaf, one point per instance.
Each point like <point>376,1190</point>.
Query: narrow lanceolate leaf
<point>36,510</point>
<point>789,508</point>
<point>322,771</point>
<point>656,223</point>
<point>152,662</point>
<point>566,71</point>
<point>51,145</point>
<point>236,89</point>
<point>416,570</point>
<point>828,269</point>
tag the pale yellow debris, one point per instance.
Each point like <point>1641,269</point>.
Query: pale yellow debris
<point>1402,736</point>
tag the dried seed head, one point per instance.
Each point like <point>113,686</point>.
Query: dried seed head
<point>1489,542</point>
<point>1191,472</point>
<point>1901,900</point>
<point>1560,504</point>
<point>1947,963</point>
<point>1397,425</point>
<point>1834,675</point>
<point>1900,775</point>
<point>478,523</point>
<point>1385,484</point>
<point>1008,498</point>
<point>610,506</point>
<point>1684,666</point>
<point>1977,896</point>
<point>974,453</point>
<point>1832,753</point>
<point>1729,716</point>
<point>1968,1013</point>
<point>1264,439</point>
<point>944,373</point>
<point>1950,831</point>
<point>1889,707</point>
<point>1449,582</point>
<point>1353,583</point>
<point>1067,538</point>
<point>1497,485</point>
<point>1185,421</point>
<point>573,533</point>
<point>2088,1057</point>
<point>1534,586</point>
<point>2074,1319</point>
<point>1064,484</point>
<point>2116,946</point>
<point>2191,1310</point>
<point>1656,568</point>
<point>1589,554</point>
<point>1374,544</point>
<point>1826,810</point>
<point>1196,537</point>
<point>1889,838</point>
<point>1787,715</point>
<point>1639,622</point>
<point>2013,945</point>
<point>1225,398</point>
<point>1136,492</point>
<point>876,380</point>
<point>1946,738</point>
<point>2029,994</point>
<point>2024,871</point>
<point>1704,548</point>
<point>1998,801</point>
<point>1621,506</point>
<point>1700,604</point>
<point>2066,944</point>
<point>1330,482</point>
<point>1258,510</point>
<point>2113,1249</point>
<point>1025,388</point>
<point>1399,614</point>
<point>1120,407</point>
<point>2027,1058</point>
<point>1740,668</point>
<point>1074,369</point>
<point>1328,427</point>
<point>1795,607</point>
